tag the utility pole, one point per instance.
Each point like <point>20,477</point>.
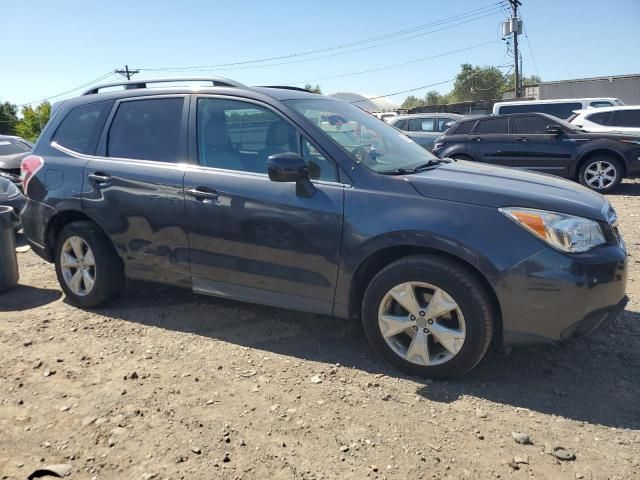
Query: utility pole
<point>515,26</point>
<point>126,72</point>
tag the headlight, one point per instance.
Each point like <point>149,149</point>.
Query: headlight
<point>564,232</point>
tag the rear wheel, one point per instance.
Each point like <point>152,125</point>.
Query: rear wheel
<point>88,268</point>
<point>601,173</point>
<point>428,316</point>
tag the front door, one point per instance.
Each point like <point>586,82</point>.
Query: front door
<point>535,149</point>
<point>490,142</point>
<point>251,238</point>
<point>133,186</point>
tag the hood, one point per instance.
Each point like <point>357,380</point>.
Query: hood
<point>608,135</point>
<point>12,161</point>
<point>494,186</point>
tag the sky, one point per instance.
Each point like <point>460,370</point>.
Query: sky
<point>51,47</point>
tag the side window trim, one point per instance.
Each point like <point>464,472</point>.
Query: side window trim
<point>193,135</point>
<point>101,151</point>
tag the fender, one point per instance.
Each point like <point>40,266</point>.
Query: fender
<point>593,146</point>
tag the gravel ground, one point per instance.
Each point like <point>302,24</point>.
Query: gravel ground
<point>166,384</point>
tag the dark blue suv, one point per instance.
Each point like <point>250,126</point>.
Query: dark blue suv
<point>249,194</point>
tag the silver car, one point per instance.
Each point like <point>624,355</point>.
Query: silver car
<point>424,128</point>
<point>12,151</point>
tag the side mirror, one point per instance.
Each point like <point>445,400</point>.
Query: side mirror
<point>290,167</point>
<point>554,130</point>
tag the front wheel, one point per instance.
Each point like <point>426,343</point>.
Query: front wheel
<point>88,268</point>
<point>428,316</point>
<point>601,173</point>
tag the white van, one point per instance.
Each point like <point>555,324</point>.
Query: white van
<point>562,108</point>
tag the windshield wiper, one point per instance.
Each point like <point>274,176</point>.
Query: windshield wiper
<point>419,168</point>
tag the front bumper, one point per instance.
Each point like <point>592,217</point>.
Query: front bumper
<point>553,297</point>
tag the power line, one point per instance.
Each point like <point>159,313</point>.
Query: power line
<point>102,77</point>
<point>417,88</point>
<point>526,35</point>
<point>361,72</point>
<point>476,14</point>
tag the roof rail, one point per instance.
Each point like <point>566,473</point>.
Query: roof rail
<point>285,87</point>
<point>135,84</point>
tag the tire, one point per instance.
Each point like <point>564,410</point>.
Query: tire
<point>106,269</point>
<point>459,156</point>
<point>602,163</point>
<point>460,285</point>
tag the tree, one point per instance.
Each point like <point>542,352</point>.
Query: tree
<point>478,83</point>
<point>8,118</point>
<point>433,97</point>
<point>310,88</point>
<point>412,102</point>
<point>33,121</point>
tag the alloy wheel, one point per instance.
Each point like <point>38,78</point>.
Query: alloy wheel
<point>422,323</point>
<point>600,174</point>
<point>78,266</point>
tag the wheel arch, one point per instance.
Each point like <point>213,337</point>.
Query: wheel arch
<point>379,259</point>
<point>596,152</point>
<point>60,220</point>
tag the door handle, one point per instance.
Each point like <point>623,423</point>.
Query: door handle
<point>475,139</point>
<point>100,179</point>
<point>203,193</point>
<point>520,139</point>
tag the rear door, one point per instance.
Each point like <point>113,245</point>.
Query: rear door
<point>535,149</point>
<point>490,142</point>
<point>133,187</point>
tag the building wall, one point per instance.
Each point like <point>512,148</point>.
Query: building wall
<point>626,89</point>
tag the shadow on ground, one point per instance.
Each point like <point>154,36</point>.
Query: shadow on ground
<point>596,380</point>
<point>628,187</point>
<point>25,297</point>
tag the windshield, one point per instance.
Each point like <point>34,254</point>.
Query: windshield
<point>13,146</point>
<point>370,141</point>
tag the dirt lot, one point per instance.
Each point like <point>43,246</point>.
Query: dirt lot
<point>167,384</point>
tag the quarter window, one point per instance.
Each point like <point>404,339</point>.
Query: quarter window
<point>601,118</point>
<point>81,128</point>
<point>493,126</point>
<point>147,130</point>
<point>464,128</point>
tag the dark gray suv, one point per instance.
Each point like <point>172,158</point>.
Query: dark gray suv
<point>244,193</point>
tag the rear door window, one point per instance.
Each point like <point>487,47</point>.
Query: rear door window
<point>147,129</point>
<point>601,118</point>
<point>627,118</point>
<point>421,124</point>
<point>493,126</point>
<point>80,130</point>
<point>443,123</point>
